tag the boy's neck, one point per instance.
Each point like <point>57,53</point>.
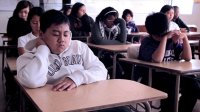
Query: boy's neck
<point>157,38</point>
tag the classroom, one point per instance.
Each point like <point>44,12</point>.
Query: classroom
<point>99,56</point>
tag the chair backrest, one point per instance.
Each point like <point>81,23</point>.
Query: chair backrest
<point>133,51</point>
<point>141,28</point>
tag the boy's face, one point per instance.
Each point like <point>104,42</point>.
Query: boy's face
<point>128,18</point>
<point>35,24</point>
<point>57,37</point>
<point>176,13</point>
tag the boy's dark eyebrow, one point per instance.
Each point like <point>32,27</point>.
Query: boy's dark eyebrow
<point>55,31</point>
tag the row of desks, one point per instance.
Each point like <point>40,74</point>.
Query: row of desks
<point>178,68</point>
<point>95,96</point>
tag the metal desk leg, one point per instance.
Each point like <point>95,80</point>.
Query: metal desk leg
<point>150,77</point>
<point>176,93</point>
<point>132,73</point>
<point>147,106</point>
<point>114,65</point>
<point>22,101</point>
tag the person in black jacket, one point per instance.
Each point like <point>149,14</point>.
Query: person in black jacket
<point>177,20</point>
<point>80,22</point>
<point>17,25</point>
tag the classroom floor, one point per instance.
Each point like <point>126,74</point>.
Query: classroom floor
<point>3,102</point>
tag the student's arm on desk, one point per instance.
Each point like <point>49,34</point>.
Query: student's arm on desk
<point>32,68</point>
<point>94,70</point>
<point>187,53</point>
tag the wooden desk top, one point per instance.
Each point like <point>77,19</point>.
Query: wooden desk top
<point>95,96</point>
<point>12,63</point>
<point>193,34</point>
<point>139,34</point>
<point>194,42</point>
<point>179,67</point>
<point>112,48</point>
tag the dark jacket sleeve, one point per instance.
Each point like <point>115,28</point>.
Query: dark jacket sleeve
<point>122,37</point>
<point>97,38</point>
<point>181,24</point>
<point>17,27</point>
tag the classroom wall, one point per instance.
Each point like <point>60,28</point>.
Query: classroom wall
<point>7,7</point>
<point>194,18</point>
<point>139,18</point>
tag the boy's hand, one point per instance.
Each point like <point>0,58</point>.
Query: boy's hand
<point>178,37</point>
<point>39,42</point>
<point>66,84</point>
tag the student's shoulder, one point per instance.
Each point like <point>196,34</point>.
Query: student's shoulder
<point>149,41</point>
<point>78,43</point>
<point>29,35</point>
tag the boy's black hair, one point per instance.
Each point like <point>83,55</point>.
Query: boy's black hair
<point>21,5</point>
<point>126,12</point>
<point>108,11</point>
<point>166,8</point>
<point>157,24</point>
<point>38,11</point>
<point>52,17</point>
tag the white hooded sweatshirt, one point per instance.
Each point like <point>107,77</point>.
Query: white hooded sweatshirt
<point>77,62</point>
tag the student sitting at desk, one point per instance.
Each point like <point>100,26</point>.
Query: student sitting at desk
<point>58,60</point>
<point>80,22</point>
<point>130,24</point>
<point>178,21</point>
<point>108,28</point>
<point>34,21</point>
<point>17,24</point>
<point>160,46</point>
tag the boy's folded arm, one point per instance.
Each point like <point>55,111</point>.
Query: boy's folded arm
<point>32,68</point>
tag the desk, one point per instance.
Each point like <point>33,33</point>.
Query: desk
<point>95,96</point>
<point>81,38</point>
<point>140,34</point>
<point>116,49</point>
<point>4,48</point>
<point>193,35</point>
<point>177,68</point>
<point>12,63</point>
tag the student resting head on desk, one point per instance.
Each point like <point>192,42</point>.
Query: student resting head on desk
<point>161,46</point>
<point>58,60</point>
<point>108,28</point>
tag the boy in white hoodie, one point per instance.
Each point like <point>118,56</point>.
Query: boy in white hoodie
<point>58,60</point>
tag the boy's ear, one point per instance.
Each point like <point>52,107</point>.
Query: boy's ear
<point>70,34</point>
